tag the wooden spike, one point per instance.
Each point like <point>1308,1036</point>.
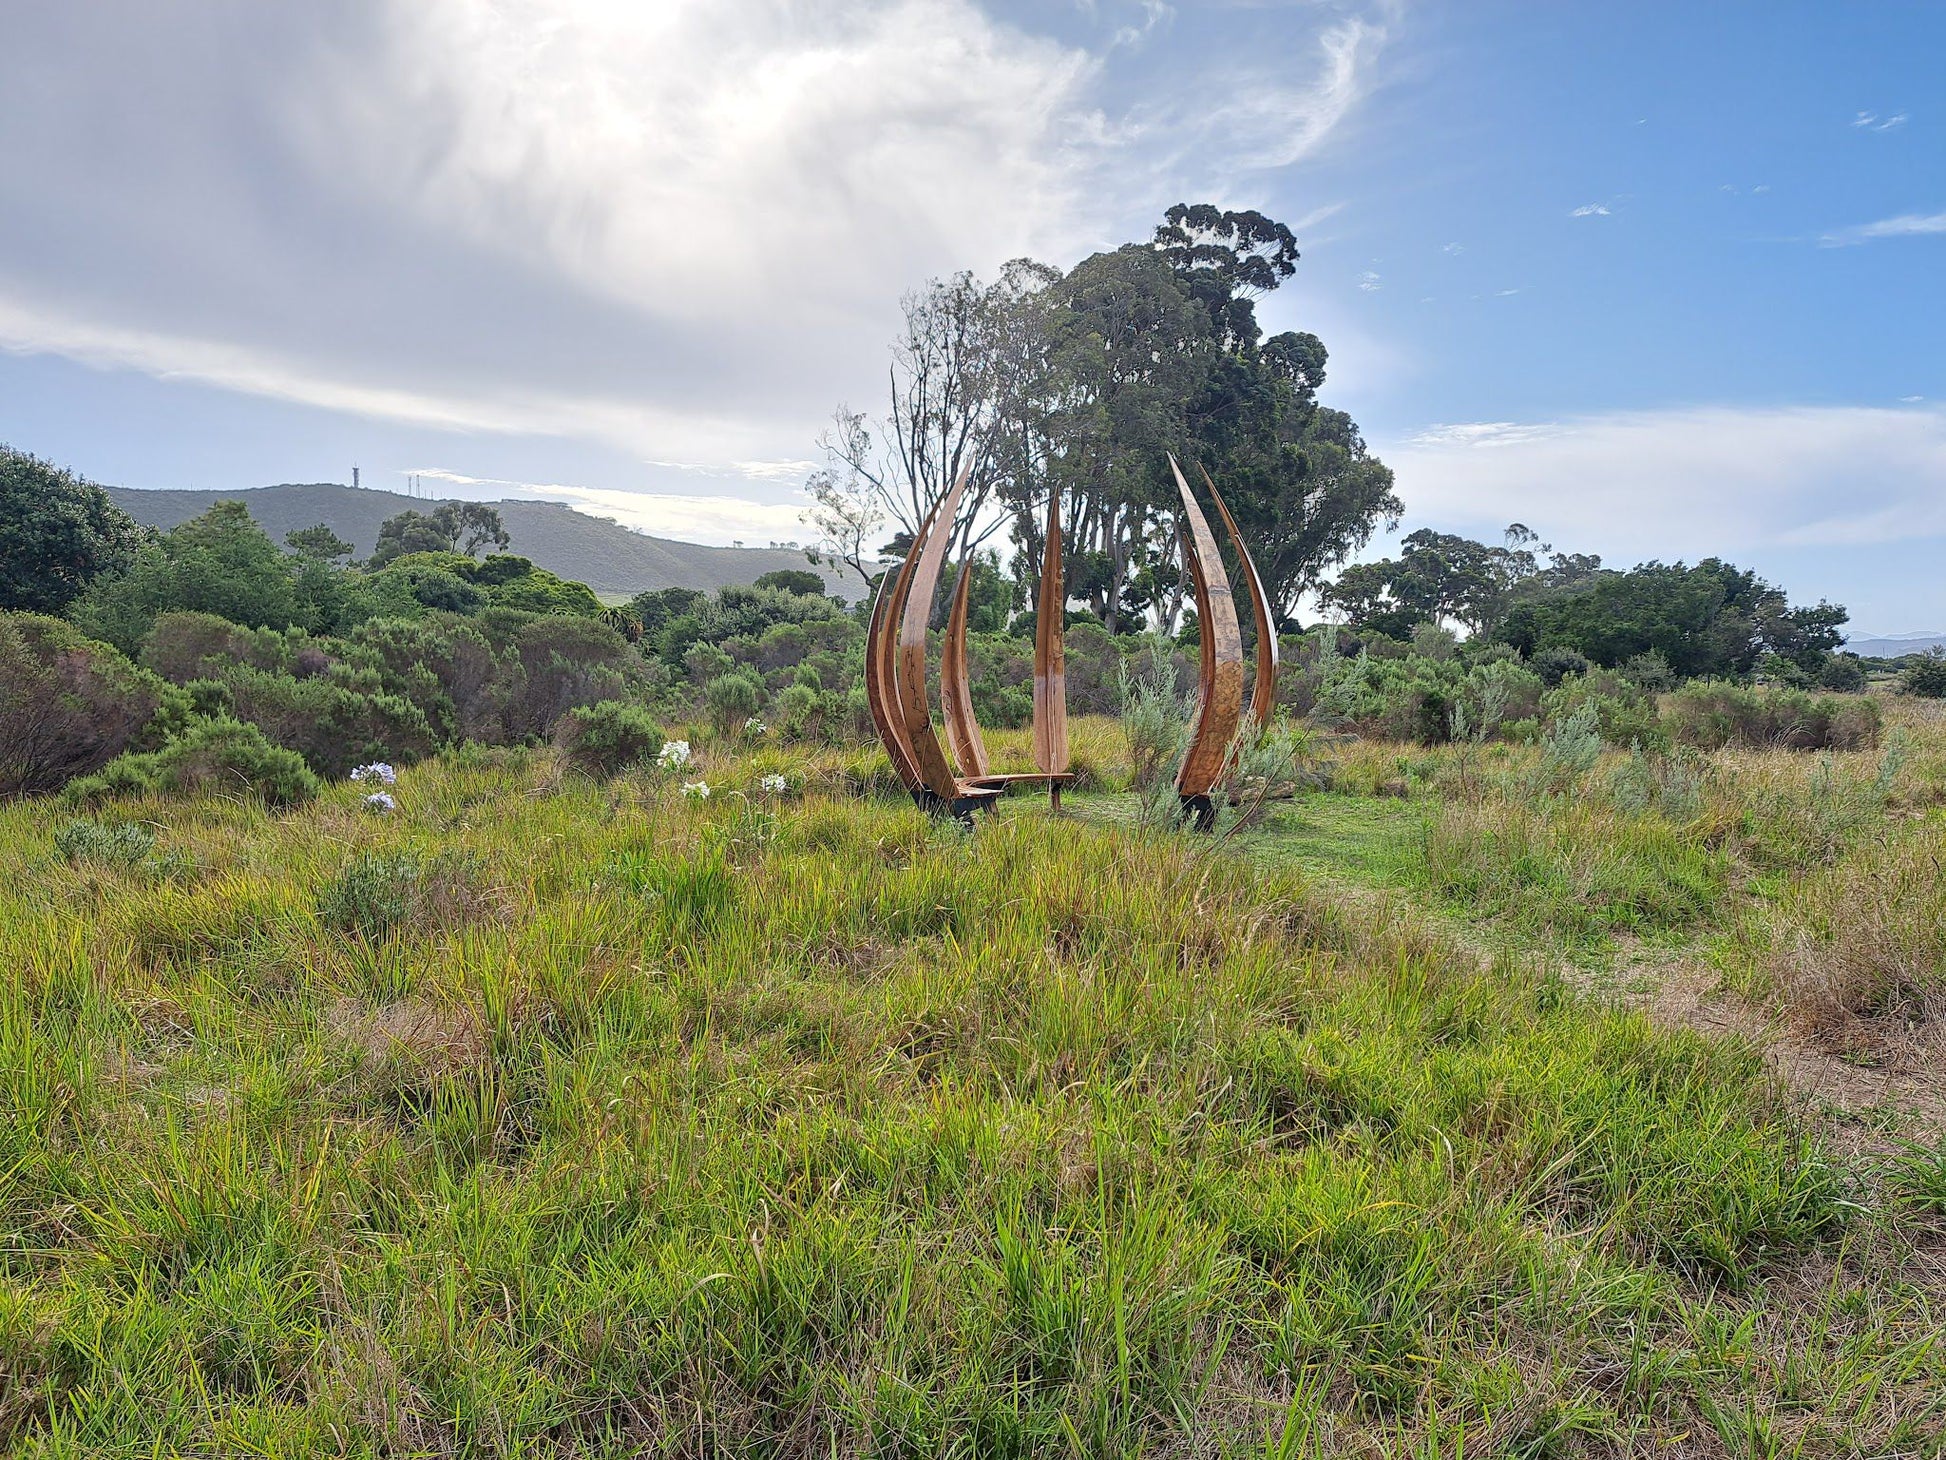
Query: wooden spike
<point>1221,709</point>
<point>1050,659</point>
<point>955,684</point>
<point>880,669</point>
<point>909,679</point>
<point>1263,699</point>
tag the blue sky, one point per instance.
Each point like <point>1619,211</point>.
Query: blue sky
<point>1658,280</point>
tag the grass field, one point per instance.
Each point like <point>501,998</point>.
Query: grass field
<point>547,1116</point>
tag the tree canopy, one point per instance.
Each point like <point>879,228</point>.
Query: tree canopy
<point>58,533</point>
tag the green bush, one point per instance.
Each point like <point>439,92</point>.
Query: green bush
<point>70,705</point>
<point>607,737</point>
<point>1926,675</point>
<point>731,699</point>
<point>1624,713</point>
<point>1713,714</point>
<point>338,720</point>
<point>222,756</point>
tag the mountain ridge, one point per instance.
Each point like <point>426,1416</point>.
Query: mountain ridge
<point>611,559</point>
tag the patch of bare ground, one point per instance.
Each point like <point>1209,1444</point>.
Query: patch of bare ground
<point>1888,1080</point>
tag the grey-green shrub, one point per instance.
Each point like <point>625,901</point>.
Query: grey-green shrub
<point>115,843</point>
<point>731,699</point>
<point>223,756</point>
<point>607,737</point>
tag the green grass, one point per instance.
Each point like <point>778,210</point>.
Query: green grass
<point>565,1118</point>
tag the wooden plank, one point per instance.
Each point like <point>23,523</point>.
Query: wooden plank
<point>1050,658</point>
<point>955,684</point>
<point>1263,698</point>
<point>1221,675</point>
<point>909,679</point>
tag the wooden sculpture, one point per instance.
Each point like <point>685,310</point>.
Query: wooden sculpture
<point>1263,697</point>
<point>895,675</point>
<point>1221,672</point>
<point>957,778</point>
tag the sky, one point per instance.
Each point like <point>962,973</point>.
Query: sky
<point>1658,280</point>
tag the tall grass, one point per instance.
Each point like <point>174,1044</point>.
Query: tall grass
<point>678,1128</point>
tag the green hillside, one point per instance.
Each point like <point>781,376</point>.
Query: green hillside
<point>606,556</point>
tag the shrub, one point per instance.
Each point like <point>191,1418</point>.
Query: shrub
<point>69,705</point>
<point>731,699</point>
<point>186,645</point>
<point>117,843</point>
<point>336,721</point>
<point>225,756</point>
<point>607,737</point>
<point>1555,664</point>
<point>1712,714</point>
<point>802,711</point>
<point>1624,713</point>
<point>564,661</point>
<point>1926,675</point>
<point>1155,718</point>
<point>380,893</point>
<point>1844,673</point>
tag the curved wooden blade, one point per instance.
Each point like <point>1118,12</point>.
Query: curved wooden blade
<point>1222,657</point>
<point>956,686</point>
<point>1050,656</point>
<point>909,677</point>
<point>878,669</point>
<point>1263,699</point>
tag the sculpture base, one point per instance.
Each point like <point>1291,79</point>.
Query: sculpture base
<point>1201,809</point>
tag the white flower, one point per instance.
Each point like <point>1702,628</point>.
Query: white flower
<point>377,772</point>
<point>773,785</point>
<point>675,755</point>
<point>696,790</point>
<point>755,726</point>
<point>380,802</point>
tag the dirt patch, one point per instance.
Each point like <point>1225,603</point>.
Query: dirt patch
<point>1899,1083</point>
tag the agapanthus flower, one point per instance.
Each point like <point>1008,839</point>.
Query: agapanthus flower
<point>674,755</point>
<point>380,803</point>
<point>696,790</point>
<point>378,773</point>
<point>773,785</point>
<point>755,726</point>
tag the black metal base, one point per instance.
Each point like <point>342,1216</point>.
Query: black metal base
<point>959,808</point>
<point>1202,809</point>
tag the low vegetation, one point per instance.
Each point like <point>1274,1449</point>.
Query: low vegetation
<point>577,1113</point>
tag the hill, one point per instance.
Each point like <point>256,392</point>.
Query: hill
<point>608,557</point>
<point>1893,646</point>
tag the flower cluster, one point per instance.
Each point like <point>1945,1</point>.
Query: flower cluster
<point>378,773</point>
<point>696,790</point>
<point>380,803</point>
<point>755,726</point>
<point>674,755</point>
<point>773,785</point>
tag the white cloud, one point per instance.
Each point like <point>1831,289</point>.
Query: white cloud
<point>1369,282</point>
<point>1871,122</point>
<point>1590,210</point>
<point>676,228</point>
<point>688,517</point>
<point>1664,483</point>
<point>1906,225</point>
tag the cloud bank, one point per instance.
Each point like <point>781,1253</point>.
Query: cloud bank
<point>1687,482</point>
<point>678,229</point>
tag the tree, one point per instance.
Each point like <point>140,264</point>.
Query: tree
<point>845,509</point>
<point>221,562</point>
<point>1711,619</point>
<point>451,527</point>
<point>954,386</point>
<point>793,580</point>
<point>319,544</point>
<point>58,534</point>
